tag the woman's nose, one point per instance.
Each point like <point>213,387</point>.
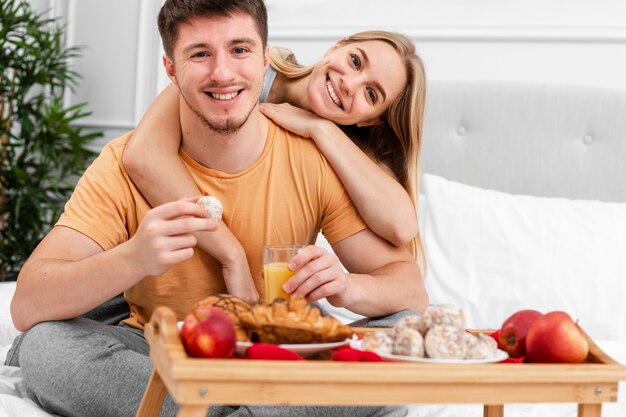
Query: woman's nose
<point>347,84</point>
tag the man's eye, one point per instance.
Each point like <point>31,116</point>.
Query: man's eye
<point>239,50</point>
<point>200,55</point>
<point>355,61</point>
<point>372,95</point>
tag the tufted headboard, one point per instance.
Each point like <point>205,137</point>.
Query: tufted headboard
<point>554,237</point>
<point>543,140</point>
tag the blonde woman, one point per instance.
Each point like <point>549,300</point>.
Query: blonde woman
<point>349,104</point>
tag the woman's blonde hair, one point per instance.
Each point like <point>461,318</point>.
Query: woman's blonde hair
<point>396,142</point>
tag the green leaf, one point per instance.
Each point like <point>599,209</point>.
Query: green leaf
<point>46,144</point>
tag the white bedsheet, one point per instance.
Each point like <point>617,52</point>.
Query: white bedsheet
<point>14,402</point>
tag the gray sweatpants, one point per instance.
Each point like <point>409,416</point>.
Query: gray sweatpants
<point>83,368</point>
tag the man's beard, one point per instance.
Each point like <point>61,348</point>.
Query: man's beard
<point>228,127</point>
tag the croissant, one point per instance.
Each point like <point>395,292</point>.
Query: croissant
<point>292,321</point>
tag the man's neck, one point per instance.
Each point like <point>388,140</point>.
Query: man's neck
<point>231,152</point>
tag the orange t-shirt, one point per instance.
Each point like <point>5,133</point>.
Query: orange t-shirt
<point>286,196</point>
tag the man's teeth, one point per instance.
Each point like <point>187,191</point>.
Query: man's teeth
<point>331,91</point>
<point>227,96</point>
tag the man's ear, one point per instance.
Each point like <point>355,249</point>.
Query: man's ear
<point>372,122</point>
<point>168,64</point>
<point>266,57</point>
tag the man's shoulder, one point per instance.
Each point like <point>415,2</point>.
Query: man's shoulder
<point>117,145</point>
<point>111,153</point>
<point>295,143</point>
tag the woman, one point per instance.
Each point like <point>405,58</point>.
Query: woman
<point>371,83</point>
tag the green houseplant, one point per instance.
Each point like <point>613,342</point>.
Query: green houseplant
<point>42,149</point>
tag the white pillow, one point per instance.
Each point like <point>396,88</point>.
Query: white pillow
<point>493,253</point>
<point>7,331</point>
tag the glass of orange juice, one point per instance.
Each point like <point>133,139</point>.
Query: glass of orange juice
<point>275,261</point>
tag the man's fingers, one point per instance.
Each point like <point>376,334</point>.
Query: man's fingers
<point>171,258</point>
<point>305,256</point>
<point>192,199</point>
<point>324,291</point>
<point>311,271</point>
<point>173,243</point>
<point>185,225</point>
<point>330,281</point>
<point>180,208</point>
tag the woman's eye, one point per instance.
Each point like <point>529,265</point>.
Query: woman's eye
<point>372,95</point>
<point>355,61</point>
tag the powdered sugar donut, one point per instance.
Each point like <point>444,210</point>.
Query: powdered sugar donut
<point>442,314</point>
<point>445,342</point>
<point>377,341</point>
<point>212,207</point>
<point>411,322</point>
<point>408,342</point>
<point>480,346</point>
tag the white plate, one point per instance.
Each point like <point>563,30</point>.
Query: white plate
<point>498,357</point>
<point>304,350</point>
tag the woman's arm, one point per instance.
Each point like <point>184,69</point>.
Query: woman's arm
<point>380,199</point>
<point>152,152</point>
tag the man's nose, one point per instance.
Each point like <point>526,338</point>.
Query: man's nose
<point>222,68</point>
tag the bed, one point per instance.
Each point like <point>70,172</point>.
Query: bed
<point>523,206</point>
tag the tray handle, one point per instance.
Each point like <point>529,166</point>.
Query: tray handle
<point>162,326</point>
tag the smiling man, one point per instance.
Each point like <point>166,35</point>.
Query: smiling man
<point>275,187</point>
<point>218,80</point>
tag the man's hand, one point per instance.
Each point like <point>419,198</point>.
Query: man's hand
<point>319,274</point>
<point>165,236</point>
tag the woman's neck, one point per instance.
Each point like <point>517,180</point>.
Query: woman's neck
<point>292,91</point>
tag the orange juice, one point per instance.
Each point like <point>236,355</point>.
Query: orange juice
<point>276,274</point>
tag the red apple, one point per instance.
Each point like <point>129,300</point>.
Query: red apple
<point>208,332</point>
<point>556,338</point>
<point>513,332</point>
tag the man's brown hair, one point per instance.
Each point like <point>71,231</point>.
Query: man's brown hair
<point>176,12</point>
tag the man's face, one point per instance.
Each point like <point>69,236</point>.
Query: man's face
<point>218,65</point>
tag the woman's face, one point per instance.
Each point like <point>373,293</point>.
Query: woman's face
<point>356,82</point>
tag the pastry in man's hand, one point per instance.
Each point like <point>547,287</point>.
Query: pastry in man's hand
<point>212,207</point>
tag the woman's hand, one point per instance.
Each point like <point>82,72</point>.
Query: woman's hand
<point>239,281</point>
<point>319,275</point>
<point>295,119</point>
<point>227,250</point>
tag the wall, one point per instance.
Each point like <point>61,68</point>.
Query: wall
<point>564,41</point>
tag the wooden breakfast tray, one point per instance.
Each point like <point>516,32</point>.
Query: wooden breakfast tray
<point>195,384</point>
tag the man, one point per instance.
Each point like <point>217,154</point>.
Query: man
<point>275,188</point>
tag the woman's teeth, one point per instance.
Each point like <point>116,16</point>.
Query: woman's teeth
<point>331,92</point>
<point>227,96</point>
